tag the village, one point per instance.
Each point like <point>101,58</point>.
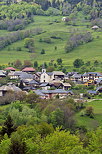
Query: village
<point>48,85</point>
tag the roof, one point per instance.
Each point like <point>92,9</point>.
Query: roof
<point>10,68</point>
<point>66,85</point>
<point>33,82</point>
<point>38,92</point>
<point>92,92</point>
<point>99,80</point>
<point>98,88</point>
<point>10,88</point>
<point>25,75</point>
<point>44,84</point>
<point>58,73</point>
<point>28,69</point>
<point>77,76</point>
<point>95,27</point>
<point>49,73</point>
<point>92,73</point>
<point>56,91</point>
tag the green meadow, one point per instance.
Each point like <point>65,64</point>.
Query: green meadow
<point>91,123</point>
<point>53,26</point>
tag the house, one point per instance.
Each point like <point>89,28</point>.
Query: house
<point>77,78</point>
<point>99,81</point>
<point>41,95</point>
<point>29,70</point>
<point>48,94</point>
<point>66,86</point>
<point>58,75</point>
<point>10,69</point>
<point>95,27</point>
<point>6,88</point>
<point>26,76</point>
<point>91,76</point>
<point>92,92</point>
<point>2,74</point>
<point>45,86</point>
<point>99,89</point>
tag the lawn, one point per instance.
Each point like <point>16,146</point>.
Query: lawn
<point>89,122</point>
<point>53,26</point>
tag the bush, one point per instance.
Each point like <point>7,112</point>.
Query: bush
<point>42,51</point>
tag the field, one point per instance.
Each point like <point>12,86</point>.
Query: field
<point>90,51</point>
<point>89,122</point>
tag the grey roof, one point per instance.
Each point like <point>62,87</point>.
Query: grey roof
<point>10,87</point>
<point>38,92</point>
<point>49,73</point>
<point>17,73</point>
<point>44,84</point>
<point>58,91</point>
<point>33,82</point>
<point>25,75</point>
<point>99,80</point>
<point>58,73</point>
<point>77,76</point>
<point>93,73</point>
<point>92,92</point>
<point>98,88</point>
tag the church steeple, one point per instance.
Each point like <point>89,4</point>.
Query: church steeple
<point>43,68</point>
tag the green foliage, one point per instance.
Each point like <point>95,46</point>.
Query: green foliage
<point>57,118</point>
<point>29,42</point>
<point>8,127</point>
<point>59,61</point>
<point>78,63</point>
<point>5,145</point>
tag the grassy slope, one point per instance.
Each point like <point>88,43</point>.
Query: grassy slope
<point>90,51</point>
<point>89,122</point>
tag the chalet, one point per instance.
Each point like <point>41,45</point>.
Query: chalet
<point>29,70</point>
<point>91,76</point>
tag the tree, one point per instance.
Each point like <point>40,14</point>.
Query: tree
<point>29,42</point>
<point>35,64</point>
<point>59,61</point>
<point>18,146</point>
<point>96,63</point>
<point>89,111</point>
<point>8,127</point>
<point>50,69</point>
<point>18,63</point>
<point>32,98</point>
<point>62,142</point>
<point>57,117</point>
<point>78,63</point>
<point>27,63</point>
<point>42,51</point>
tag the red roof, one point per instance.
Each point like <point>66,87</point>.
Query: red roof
<point>10,68</point>
<point>28,69</point>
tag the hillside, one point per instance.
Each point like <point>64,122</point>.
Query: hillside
<point>49,21</point>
